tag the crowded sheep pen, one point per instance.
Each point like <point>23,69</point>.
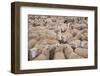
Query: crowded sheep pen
<point>57,37</point>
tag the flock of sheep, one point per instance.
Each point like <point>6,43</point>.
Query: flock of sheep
<point>57,37</point>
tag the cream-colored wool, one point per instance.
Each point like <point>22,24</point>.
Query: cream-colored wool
<point>66,36</point>
<point>31,43</point>
<point>74,32</point>
<point>69,53</point>
<point>82,52</point>
<point>41,57</point>
<point>57,37</point>
<point>75,43</point>
<point>84,44</point>
<point>74,56</point>
<point>79,26</point>
<point>59,55</point>
<point>59,52</point>
<point>33,36</point>
<point>82,35</point>
<point>67,50</point>
<point>44,54</point>
<point>51,41</point>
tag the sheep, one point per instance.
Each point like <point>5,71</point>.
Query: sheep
<point>44,55</point>
<point>59,53</point>
<point>79,26</point>
<point>69,53</point>
<point>82,52</point>
<point>75,43</point>
<point>57,37</point>
<point>66,36</point>
<point>84,44</point>
<point>31,43</point>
